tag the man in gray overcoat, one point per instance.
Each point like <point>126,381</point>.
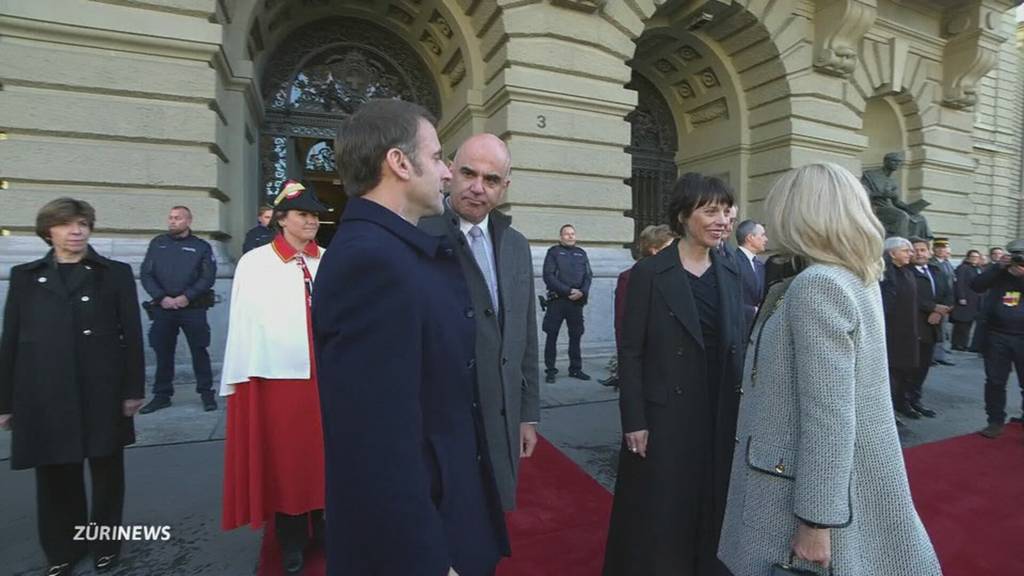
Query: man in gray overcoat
<point>496,262</point>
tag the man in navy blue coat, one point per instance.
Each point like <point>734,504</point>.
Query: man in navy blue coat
<point>410,490</point>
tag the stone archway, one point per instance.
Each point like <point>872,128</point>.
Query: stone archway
<point>322,73</point>
<point>652,147</point>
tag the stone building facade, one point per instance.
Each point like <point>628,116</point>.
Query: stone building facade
<point>138,105</point>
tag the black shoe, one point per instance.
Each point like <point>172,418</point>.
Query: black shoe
<point>945,362</point>
<point>1017,420</point>
<point>104,563</point>
<point>992,431</point>
<point>908,412</point>
<point>611,382</point>
<point>550,378</point>
<point>64,569</point>
<point>927,413</point>
<point>579,375</point>
<point>157,403</point>
<point>293,561</point>
<point>209,403</point>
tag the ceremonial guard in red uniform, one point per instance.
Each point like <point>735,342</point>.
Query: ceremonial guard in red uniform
<point>274,451</point>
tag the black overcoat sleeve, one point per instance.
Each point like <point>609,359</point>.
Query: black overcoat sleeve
<point>134,383</point>
<point>631,352</point>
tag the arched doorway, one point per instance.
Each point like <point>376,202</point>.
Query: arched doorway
<point>653,146</point>
<point>320,75</point>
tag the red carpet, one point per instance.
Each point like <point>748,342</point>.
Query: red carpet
<point>969,492</point>
<point>559,527</point>
<point>561,519</point>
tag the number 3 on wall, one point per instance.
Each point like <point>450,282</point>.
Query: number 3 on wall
<point>542,122</point>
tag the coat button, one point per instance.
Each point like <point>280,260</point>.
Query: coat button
<point>469,313</point>
<point>679,351</point>
<point>42,280</point>
<point>85,298</point>
<point>448,252</point>
<point>476,405</point>
<point>488,312</point>
<point>679,391</point>
<point>87,332</point>
<point>471,363</point>
<point>504,361</point>
<point>479,457</point>
<point>780,468</point>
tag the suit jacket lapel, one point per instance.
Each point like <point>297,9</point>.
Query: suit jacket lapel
<point>675,288</point>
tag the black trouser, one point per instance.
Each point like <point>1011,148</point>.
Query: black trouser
<point>914,384</point>
<point>961,339</point>
<point>293,531</point>
<point>572,312</point>
<point>163,338</point>
<point>1003,351</point>
<point>61,505</point>
<point>898,379</point>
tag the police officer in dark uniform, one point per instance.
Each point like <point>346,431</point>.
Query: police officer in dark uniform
<point>178,273</point>
<point>1001,326</point>
<point>567,276</point>
<point>261,233</point>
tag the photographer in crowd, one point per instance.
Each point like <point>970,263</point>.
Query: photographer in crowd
<point>1001,331</point>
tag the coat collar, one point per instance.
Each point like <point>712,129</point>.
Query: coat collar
<point>369,211</point>
<point>286,251</point>
<point>675,287</point>
<point>49,261</point>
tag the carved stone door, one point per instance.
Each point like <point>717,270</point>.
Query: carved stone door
<point>653,147</point>
<point>321,75</point>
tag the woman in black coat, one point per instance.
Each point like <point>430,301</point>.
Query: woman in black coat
<point>71,378</point>
<point>899,302</point>
<point>680,369</point>
<point>968,302</point>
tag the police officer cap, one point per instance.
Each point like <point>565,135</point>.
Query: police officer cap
<point>939,242</point>
<point>1015,246</point>
<point>295,196</point>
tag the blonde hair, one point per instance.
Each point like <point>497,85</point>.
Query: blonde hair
<point>653,237</point>
<point>821,212</point>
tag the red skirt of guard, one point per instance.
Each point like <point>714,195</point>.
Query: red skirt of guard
<point>274,451</point>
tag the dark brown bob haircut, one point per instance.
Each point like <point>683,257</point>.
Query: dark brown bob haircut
<point>62,211</point>
<point>691,192</point>
<point>364,139</point>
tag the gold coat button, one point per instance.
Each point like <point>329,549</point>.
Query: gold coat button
<point>780,467</point>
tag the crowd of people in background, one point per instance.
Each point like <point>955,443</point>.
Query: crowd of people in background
<point>380,394</point>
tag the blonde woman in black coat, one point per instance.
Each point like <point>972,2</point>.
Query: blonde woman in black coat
<point>680,367</point>
<point>71,378</point>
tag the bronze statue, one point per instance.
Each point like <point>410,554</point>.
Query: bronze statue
<point>898,217</point>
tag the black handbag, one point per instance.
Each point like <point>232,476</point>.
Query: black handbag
<point>787,569</point>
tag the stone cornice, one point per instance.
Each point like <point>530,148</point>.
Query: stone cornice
<point>839,26</point>
<point>107,39</point>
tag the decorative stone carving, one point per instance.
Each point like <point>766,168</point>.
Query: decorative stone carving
<point>899,49</point>
<point>708,78</point>
<point>442,25</point>
<point>581,5</point>
<point>665,67</point>
<point>455,70</point>
<point>714,110</point>
<point>688,54</point>
<point>972,49</point>
<point>685,90</point>
<point>839,26</point>
<point>431,43</point>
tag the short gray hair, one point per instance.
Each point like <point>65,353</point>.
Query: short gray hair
<point>895,242</point>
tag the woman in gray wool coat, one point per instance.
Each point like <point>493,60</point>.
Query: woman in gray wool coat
<point>818,475</point>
